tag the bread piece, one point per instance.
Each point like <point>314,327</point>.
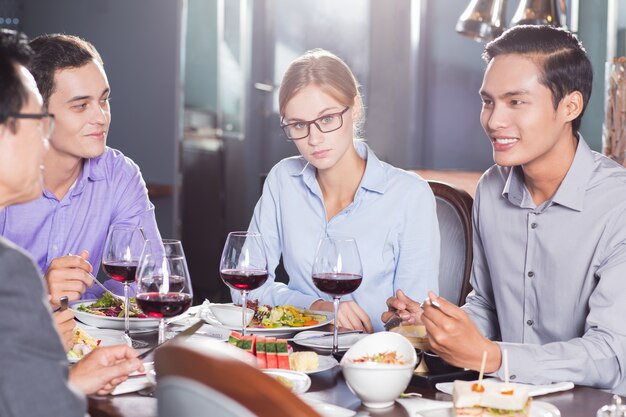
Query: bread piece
<point>492,401</point>
<point>304,361</point>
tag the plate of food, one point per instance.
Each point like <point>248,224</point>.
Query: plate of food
<point>537,409</point>
<point>297,382</point>
<point>86,340</point>
<point>275,321</point>
<point>311,362</point>
<point>471,398</point>
<point>107,313</point>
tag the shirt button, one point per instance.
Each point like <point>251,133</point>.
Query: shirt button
<point>530,322</point>
<point>513,377</point>
<point>531,274</point>
<point>533,225</point>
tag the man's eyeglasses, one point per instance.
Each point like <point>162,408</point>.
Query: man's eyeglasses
<point>46,119</point>
<point>325,124</point>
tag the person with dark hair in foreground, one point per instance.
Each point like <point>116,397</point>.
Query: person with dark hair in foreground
<point>36,381</point>
<point>549,229</point>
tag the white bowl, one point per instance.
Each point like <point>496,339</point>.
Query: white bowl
<point>378,385</point>
<point>230,315</point>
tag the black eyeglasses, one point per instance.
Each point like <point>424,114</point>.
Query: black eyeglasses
<point>47,121</point>
<point>325,124</point>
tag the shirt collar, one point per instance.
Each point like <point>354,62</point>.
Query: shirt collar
<point>374,178</point>
<point>571,192</point>
<point>93,170</point>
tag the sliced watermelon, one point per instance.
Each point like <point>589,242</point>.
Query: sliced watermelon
<point>270,351</point>
<point>282,353</point>
<point>235,338</point>
<point>247,343</point>
<point>261,357</point>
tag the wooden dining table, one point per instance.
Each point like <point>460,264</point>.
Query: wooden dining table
<point>330,387</point>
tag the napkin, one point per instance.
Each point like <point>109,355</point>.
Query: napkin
<point>533,390</point>
<point>415,405</point>
<point>135,382</point>
<point>132,384</point>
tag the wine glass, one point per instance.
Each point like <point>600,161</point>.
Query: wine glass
<point>119,261</point>
<point>163,282</point>
<point>244,266</point>
<point>337,271</point>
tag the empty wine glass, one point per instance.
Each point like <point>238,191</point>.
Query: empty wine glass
<point>244,266</point>
<point>163,282</point>
<point>337,271</point>
<point>120,258</point>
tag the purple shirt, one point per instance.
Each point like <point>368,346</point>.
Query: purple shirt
<point>108,191</point>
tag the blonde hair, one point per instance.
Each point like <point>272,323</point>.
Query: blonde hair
<point>326,71</point>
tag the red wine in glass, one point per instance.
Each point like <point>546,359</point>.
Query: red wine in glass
<point>155,283</point>
<point>159,305</point>
<point>337,284</point>
<point>337,271</point>
<point>249,279</point>
<point>122,271</point>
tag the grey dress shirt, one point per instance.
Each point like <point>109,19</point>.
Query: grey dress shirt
<point>33,365</point>
<point>550,281</point>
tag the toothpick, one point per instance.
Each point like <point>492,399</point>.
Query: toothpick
<point>482,367</point>
<point>505,358</point>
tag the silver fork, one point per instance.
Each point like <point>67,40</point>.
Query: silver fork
<point>101,285</point>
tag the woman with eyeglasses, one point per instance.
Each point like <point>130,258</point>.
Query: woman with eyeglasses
<point>338,187</point>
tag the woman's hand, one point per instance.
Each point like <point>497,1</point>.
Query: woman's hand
<point>410,311</point>
<point>350,316</point>
<point>104,368</point>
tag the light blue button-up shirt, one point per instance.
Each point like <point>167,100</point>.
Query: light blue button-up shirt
<point>109,190</point>
<point>393,219</point>
<point>550,280</point>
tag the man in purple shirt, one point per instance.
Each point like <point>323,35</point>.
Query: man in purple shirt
<point>88,187</point>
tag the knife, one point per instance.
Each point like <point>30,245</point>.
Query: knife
<point>318,336</point>
<point>185,333</point>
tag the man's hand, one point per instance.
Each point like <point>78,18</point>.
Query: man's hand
<point>64,322</point>
<point>454,337</point>
<point>350,316</point>
<point>104,368</point>
<point>69,275</point>
<point>409,310</point>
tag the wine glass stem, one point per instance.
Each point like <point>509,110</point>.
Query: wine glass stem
<point>126,303</point>
<point>244,306</point>
<point>161,330</point>
<point>336,326</point>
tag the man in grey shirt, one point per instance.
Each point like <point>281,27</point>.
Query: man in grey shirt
<point>549,229</point>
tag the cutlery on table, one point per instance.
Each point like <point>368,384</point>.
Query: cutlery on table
<point>187,332</point>
<point>329,334</point>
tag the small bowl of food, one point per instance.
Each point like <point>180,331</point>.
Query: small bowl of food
<point>436,365</point>
<point>230,315</point>
<point>379,367</point>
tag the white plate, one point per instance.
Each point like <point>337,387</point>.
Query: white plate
<point>326,343</point>
<point>107,338</point>
<point>325,363</point>
<point>208,316</point>
<point>105,322</point>
<point>328,410</point>
<point>538,409</point>
<point>301,381</point>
